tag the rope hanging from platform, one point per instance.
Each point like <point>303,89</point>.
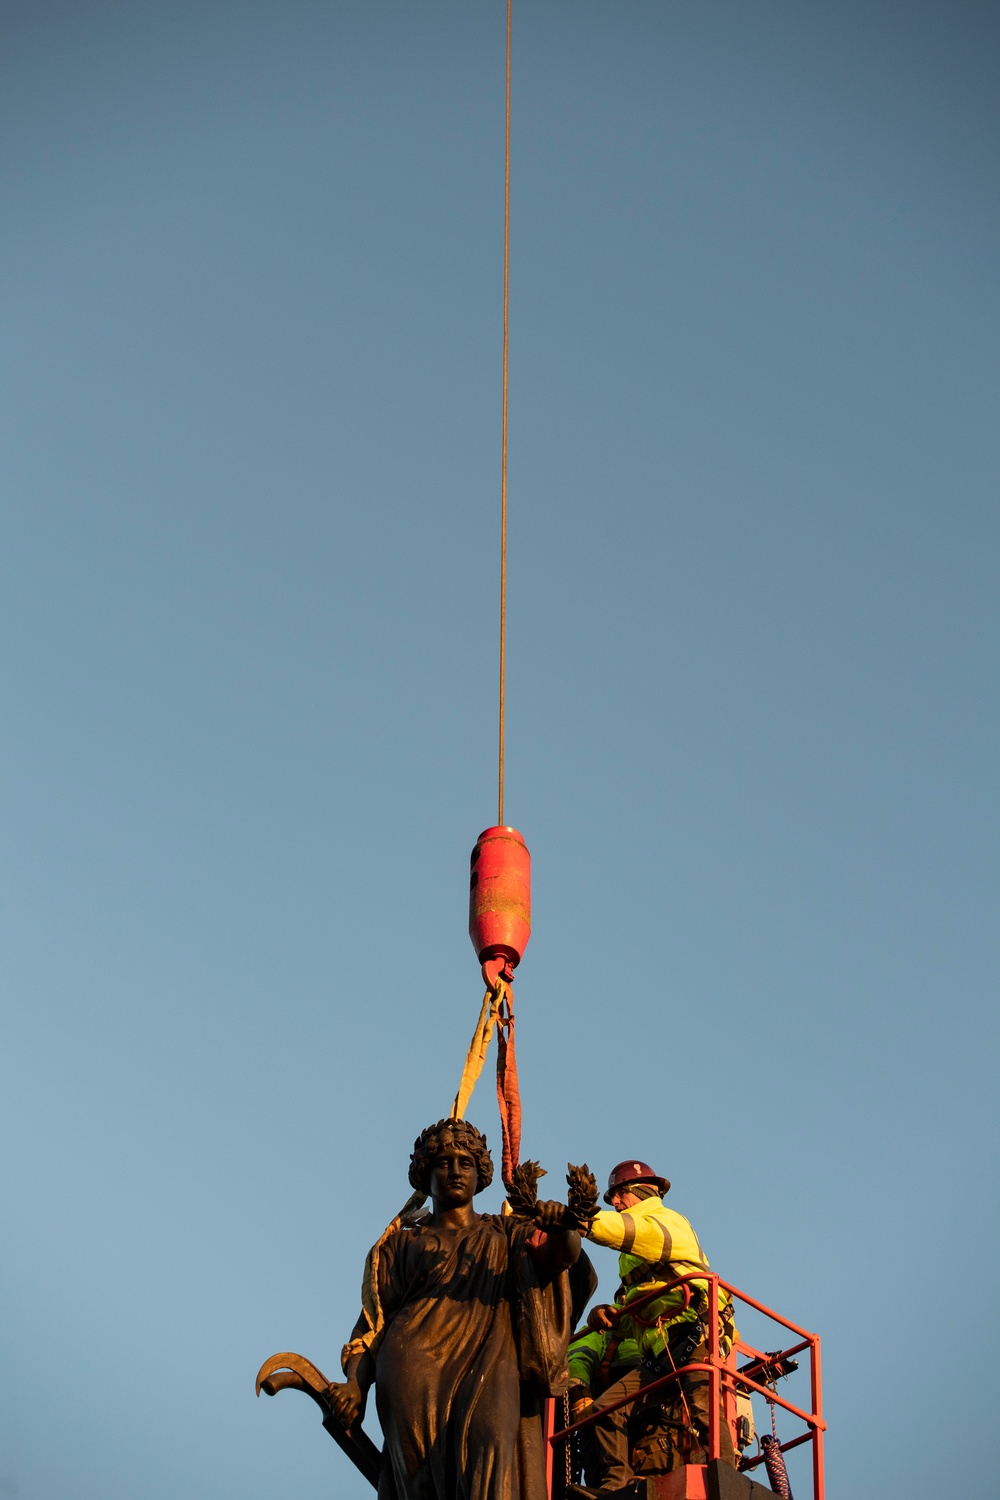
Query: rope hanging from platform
<point>774,1460</point>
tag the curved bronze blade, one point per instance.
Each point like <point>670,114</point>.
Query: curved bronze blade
<point>283,1380</point>
<point>313,1379</point>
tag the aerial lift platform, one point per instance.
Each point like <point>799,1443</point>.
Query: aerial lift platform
<point>731,1385</point>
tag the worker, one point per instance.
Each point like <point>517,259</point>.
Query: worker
<point>656,1245</point>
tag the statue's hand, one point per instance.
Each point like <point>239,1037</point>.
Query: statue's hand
<point>599,1318</point>
<point>554,1217</point>
<point>562,1217</point>
<point>347,1400</point>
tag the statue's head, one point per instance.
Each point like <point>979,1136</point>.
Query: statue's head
<point>444,1135</point>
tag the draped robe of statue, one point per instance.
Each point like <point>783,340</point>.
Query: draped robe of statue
<point>475,1330</point>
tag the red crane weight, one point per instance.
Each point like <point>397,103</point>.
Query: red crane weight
<point>500,898</point>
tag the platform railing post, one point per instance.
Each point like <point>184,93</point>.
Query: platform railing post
<point>817,1406</point>
<point>714,1374</point>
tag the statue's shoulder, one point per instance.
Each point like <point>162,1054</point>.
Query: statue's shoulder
<point>411,1234</point>
<point>395,1239</point>
<point>510,1228</point>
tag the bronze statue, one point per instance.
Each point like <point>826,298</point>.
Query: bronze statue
<point>463,1330</point>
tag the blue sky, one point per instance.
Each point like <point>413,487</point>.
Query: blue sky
<point>251,398</point>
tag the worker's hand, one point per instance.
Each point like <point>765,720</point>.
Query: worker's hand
<point>599,1319</point>
<point>553,1217</point>
<point>580,1402</point>
<point>347,1400</point>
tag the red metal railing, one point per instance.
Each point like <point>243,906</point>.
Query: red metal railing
<point>723,1377</point>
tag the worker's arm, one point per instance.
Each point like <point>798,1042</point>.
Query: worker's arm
<point>654,1237</point>
<point>585,1354</point>
<point>608,1229</point>
<point>643,1236</point>
<point>584,1358</point>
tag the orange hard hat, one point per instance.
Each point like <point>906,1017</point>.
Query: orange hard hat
<point>628,1172</point>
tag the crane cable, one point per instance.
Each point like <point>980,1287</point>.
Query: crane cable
<point>503,460</point>
<point>497,1012</point>
<point>508,1092</point>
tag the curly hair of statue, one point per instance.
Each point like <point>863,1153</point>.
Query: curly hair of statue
<point>428,1145</point>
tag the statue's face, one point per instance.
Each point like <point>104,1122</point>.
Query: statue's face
<point>454,1176</point>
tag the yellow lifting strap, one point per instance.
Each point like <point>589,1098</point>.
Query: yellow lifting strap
<point>478,1047</point>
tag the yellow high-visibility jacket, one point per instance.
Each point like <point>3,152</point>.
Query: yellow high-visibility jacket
<point>656,1245</point>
